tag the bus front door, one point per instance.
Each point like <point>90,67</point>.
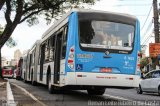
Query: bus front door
<point>42,61</point>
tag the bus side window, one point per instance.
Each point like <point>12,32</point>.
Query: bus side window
<point>33,57</point>
<point>42,54</point>
<point>51,48</point>
<point>64,43</point>
<point>46,52</point>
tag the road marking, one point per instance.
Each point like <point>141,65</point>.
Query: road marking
<point>10,98</point>
<point>32,96</point>
<point>116,97</point>
<point>111,96</point>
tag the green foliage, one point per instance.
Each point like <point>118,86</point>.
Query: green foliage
<point>144,62</point>
<point>18,11</point>
<point>1,30</point>
<point>10,42</point>
<point>49,9</point>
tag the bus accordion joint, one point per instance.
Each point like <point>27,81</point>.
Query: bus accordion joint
<point>71,58</point>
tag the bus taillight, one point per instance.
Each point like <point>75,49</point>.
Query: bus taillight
<point>10,72</point>
<point>138,63</point>
<point>139,54</point>
<point>71,58</point>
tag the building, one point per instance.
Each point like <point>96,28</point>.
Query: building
<point>13,62</point>
<point>17,55</point>
<point>4,61</point>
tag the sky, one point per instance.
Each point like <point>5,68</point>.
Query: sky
<point>25,36</point>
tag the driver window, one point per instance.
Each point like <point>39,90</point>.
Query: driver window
<point>149,75</point>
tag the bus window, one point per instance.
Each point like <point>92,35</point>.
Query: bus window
<point>51,48</point>
<point>42,56</point>
<point>64,44</point>
<point>30,62</point>
<point>106,35</point>
<point>33,57</point>
<point>46,51</point>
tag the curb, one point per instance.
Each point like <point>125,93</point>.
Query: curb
<point>10,98</point>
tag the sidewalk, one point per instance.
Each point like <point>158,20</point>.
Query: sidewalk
<point>21,98</point>
<point>10,95</point>
<point>3,91</point>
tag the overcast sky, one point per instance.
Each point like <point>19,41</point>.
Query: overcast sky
<point>25,36</point>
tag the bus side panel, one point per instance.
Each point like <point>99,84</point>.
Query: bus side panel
<point>72,32</point>
<point>138,72</point>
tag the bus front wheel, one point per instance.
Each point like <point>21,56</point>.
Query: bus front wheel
<point>96,91</point>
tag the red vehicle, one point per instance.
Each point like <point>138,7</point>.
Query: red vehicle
<point>7,71</point>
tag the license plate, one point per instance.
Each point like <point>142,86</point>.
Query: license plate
<point>106,70</point>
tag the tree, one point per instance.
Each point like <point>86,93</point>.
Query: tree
<point>144,62</point>
<point>10,43</point>
<point>18,11</point>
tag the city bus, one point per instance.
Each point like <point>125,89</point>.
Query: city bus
<point>30,63</point>
<point>89,50</point>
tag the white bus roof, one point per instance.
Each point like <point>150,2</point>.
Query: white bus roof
<point>34,45</point>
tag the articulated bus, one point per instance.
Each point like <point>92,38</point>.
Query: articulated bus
<point>89,50</point>
<point>30,65</point>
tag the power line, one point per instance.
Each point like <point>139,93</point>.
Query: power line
<point>148,28</point>
<point>146,18</point>
<point>147,39</point>
<point>133,0</point>
<point>133,5</point>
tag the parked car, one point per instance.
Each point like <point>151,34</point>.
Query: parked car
<point>150,82</point>
<point>7,71</point>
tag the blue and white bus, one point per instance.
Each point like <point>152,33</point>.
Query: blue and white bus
<point>90,50</point>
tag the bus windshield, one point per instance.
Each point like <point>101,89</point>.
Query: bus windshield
<point>106,35</point>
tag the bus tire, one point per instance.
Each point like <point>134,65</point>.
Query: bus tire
<point>96,91</point>
<point>34,83</point>
<point>50,86</point>
<point>24,80</point>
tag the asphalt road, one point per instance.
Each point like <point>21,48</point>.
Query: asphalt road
<point>81,98</point>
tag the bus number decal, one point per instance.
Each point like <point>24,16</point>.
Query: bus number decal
<point>85,57</point>
<point>128,60</point>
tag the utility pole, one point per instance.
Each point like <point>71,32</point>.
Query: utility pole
<point>156,23</point>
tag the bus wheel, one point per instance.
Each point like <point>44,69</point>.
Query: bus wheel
<point>50,86</point>
<point>96,91</point>
<point>24,80</point>
<point>34,83</point>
